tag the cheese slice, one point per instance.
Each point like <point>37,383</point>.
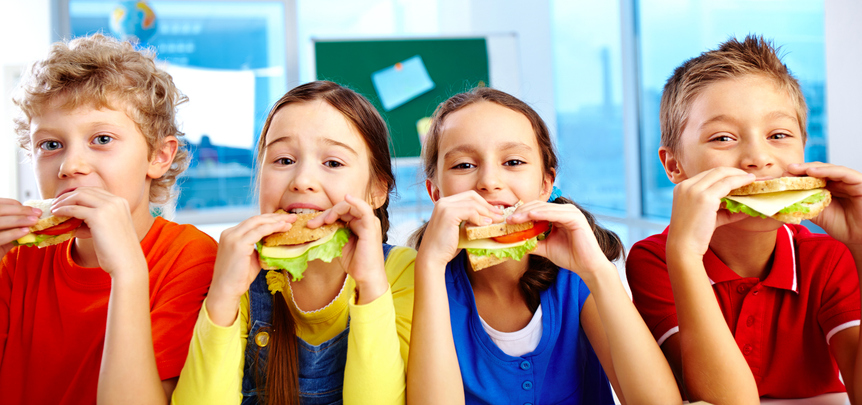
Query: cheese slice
<point>770,203</point>
<point>287,252</point>
<point>28,238</point>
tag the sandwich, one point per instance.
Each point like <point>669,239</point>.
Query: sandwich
<point>50,229</point>
<point>292,250</point>
<point>493,244</point>
<point>787,199</point>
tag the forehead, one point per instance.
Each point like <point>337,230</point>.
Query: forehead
<point>747,98</point>
<point>487,124</point>
<point>314,121</point>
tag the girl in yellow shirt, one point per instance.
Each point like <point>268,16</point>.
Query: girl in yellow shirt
<point>343,329</point>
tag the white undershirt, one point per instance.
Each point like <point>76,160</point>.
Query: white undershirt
<point>518,343</point>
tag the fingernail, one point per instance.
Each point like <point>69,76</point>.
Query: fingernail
<point>487,220</point>
<point>34,219</point>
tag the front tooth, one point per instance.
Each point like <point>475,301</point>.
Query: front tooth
<point>303,211</point>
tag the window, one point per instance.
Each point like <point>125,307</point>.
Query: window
<point>588,98</point>
<point>672,31</point>
<point>229,58</point>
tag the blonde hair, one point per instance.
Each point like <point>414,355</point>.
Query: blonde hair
<point>752,56</point>
<point>95,71</point>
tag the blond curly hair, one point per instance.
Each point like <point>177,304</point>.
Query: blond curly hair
<point>96,70</point>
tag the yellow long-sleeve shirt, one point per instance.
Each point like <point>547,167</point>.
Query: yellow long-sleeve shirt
<point>378,343</point>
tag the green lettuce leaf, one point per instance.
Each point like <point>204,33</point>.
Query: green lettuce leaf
<point>800,206</point>
<point>735,206</point>
<point>515,252</point>
<point>297,265</point>
<point>39,239</point>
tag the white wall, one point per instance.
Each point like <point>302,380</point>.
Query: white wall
<point>530,21</point>
<point>26,33</point>
<point>844,82</point>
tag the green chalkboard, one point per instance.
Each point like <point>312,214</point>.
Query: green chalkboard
<point>454,65</point>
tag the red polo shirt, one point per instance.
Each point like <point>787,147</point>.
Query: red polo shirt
<point>782,324</point>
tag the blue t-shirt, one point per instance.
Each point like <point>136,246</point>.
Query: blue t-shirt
<point>562,369</point>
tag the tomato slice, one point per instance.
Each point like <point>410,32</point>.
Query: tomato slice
<point>537,229</point>
<point>61,228</point>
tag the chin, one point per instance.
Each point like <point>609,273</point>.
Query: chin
<point>755,224</point>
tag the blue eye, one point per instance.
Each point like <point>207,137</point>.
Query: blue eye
<point>50,145</point>
<point>103,140</point>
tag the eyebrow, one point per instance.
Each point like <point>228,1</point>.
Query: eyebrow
<point>467,149</point>
<point>326,141</point>
<point>777,114</point>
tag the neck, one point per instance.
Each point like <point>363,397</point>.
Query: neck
<point>84,250</point>
<point>748,254</point>
<point>500,281</point>
<point>320,284</point>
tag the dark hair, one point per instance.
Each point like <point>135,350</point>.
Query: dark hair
<point>281,385</point>
<point>541,272</point>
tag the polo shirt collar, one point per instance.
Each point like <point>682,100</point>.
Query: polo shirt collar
<point>782,275</point>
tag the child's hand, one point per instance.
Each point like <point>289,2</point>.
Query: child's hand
<point>696,203</point>
<point>362,257</point>
<point>440,242</point>
<point>15,221</point>
<point>237,265</point>
<point>108,221</point>
<point>842,219</point>
<point>571,243</point>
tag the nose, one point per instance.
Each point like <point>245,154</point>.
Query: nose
<point>305,178</point>
<point>74,163</point>
<point>489,179</point>
<point>756,155</point>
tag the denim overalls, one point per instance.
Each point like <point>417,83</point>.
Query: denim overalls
<point>321,367</point>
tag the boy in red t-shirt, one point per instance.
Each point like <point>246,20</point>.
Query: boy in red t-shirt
<point>744,306</point>
<point>105,317</point>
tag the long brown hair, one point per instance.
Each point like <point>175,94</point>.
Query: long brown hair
<point>282,377</point>
<point>541,272</point>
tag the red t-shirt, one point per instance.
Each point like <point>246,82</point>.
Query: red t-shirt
<point>782,324</point>
<point>53,314</point>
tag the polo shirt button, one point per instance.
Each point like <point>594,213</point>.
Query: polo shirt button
<point>750,320</point>
<point>525,365</point>
<point>747,350</point>
<point>742,289</point>
<point>527,385</point>
<point>756,292</point>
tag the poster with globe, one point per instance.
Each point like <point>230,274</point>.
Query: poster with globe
<point>133,21</point>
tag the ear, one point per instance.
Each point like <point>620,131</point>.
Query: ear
<point>163,157</point>
<point>672,166</point>
<point>548,184</point>
<point>433,191</point>
<point>379,194</point>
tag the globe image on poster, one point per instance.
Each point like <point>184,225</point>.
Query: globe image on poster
<point>133,20</point>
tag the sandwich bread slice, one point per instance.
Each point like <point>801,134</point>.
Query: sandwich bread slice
<point>50,229</point>
<point>493,244</point>
<point>292,250</point>
<point>787,199</point>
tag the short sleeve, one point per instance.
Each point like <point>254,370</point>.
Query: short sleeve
<point>583,293</point>
<point>7,265</point>
<point>177,300</point>
<point>839,307</point>
<point>646,271</point>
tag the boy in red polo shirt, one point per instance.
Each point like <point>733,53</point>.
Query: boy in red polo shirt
<point>107,316</point>
<point>745,307</point>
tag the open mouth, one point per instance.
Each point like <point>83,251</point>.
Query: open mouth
<point>303,211</point>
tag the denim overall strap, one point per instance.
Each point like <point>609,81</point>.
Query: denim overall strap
<point>321,367</point>
<point>260,317</point>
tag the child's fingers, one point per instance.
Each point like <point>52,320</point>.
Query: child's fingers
<point>16,221</point>
<point>255,228</point>
<point>8,235</point>
<point>13,207</point>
